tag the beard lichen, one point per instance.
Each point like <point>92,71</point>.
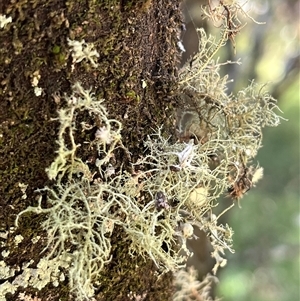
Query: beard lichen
<point>175,179</point>
<point>170,190</point>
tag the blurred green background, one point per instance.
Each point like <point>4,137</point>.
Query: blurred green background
<point>266,263</point>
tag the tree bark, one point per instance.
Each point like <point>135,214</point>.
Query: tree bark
<point>137,43</point>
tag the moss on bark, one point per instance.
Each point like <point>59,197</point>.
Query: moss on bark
<point>137,43</point>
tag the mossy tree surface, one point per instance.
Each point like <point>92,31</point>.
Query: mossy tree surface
<point>137,43</point>
<point>91,100</point>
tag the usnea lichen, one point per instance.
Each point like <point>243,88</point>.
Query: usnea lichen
<point>83,211</point>
<point>171,189</point>
<point>177,180</point>
<point>189,288</point>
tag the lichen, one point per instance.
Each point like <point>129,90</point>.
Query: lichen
<point>4,20</point>
<point>83,212</point>
<point>175,178</point>
<point>189,288</point>
<point>171,189</point>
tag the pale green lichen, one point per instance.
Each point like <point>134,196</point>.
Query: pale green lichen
<point>171,189</point>
<point>83,212</point>
<point>83,51</point>
<point>6,272</point>
<point>176,179</point>
<point>5,253</point>
<point>18,239</point>
<point>4,20</point>
<point>47,271</point>
<point>6,288</point>
<point>189,288</point>
<point>66,160</point>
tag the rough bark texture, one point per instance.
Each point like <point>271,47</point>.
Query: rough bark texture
<point>136,40</point>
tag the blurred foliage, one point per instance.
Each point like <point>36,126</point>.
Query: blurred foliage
<point>266,240</point>
<point>266,263</point>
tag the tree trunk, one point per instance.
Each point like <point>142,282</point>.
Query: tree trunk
<point>135,75</point>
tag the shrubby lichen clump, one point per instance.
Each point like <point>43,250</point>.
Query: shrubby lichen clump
<point>176,178</point>
<point>171,189</point>
<point>189,288</point>
<point>83,212</point>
